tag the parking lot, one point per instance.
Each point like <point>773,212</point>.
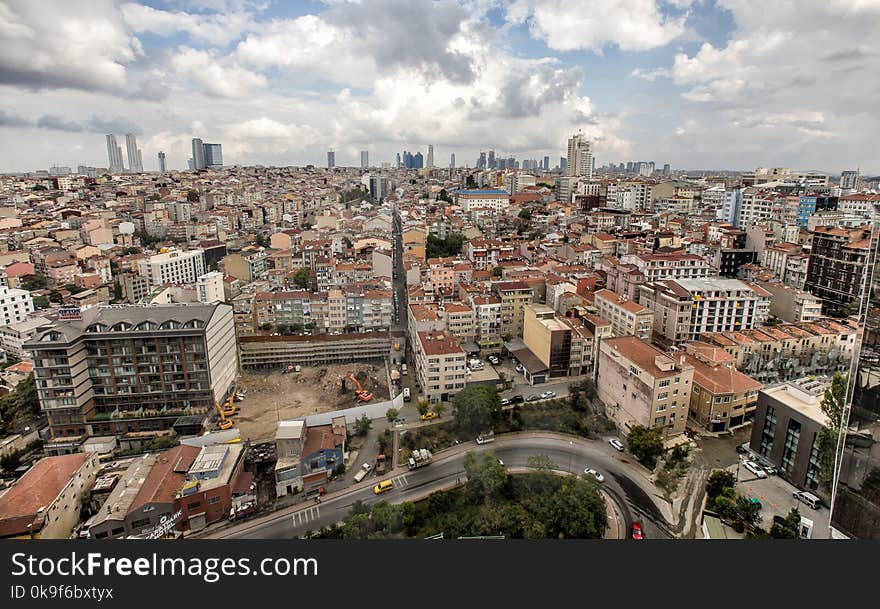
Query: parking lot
<point>776,497</point>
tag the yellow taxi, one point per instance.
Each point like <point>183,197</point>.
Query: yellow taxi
<point>429,415</point>
<point>383,487</point>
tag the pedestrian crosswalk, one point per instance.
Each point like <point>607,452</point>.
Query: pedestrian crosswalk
<point>400,481</point>
<point>307,515</point>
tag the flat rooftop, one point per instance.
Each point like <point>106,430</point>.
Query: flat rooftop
<point>803,395</point>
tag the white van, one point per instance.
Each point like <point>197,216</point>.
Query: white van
<point>406,394</point>
<point>809,498</point>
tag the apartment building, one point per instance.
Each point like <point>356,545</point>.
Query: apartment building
<point>836,272</point>
<point>440,365</point>
<point>470,200</point>
<point>627,317</point>
<point>641,385</point>
<point>267,352</point>
<point>721,397</point>
<point>349,310</point>
<point>13,336</point>
<point>687,308</point>
<point>15,305</point>
<point>459,320</point>
<point>514,295</point>
<point>563,345</point>
<point>487,321</point>
<point>791,304</point>
<point>209,287</point>
<point>655,267</point>
<point>789,351</point>
<point>123,368</point>
<point>177,267</point>
<point>248,265</point>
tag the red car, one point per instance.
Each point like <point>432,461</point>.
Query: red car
<point>637,531</point>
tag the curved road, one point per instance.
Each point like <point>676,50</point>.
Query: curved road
<point>632,496</point>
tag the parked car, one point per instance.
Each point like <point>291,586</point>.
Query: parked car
<point>592,472</point>
<point>534,398</point>
<point>493,359</point>
<point>517,399</point>
<point>755,469</point>
<point>809,498</point>
<point>743,448</point>
<point>548,394</point>
<point>505,402</point>
<point>755,501</point>
<point>519,368</point>
<point>429,415</point>
<point>637,531</point>
<point>617,444</point>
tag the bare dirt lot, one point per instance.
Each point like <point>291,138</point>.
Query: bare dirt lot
<point>274,396</point>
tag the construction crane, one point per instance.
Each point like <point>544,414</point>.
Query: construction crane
<point>362,394</point>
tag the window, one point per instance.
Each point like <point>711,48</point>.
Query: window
<point>194,505</point>
<point>663,396</point>
<point>138,524</point>
<point>664,383</point>
<point>213,500</point>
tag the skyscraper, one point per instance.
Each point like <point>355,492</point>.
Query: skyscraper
<point>365,159</point>
<point>399,162</point>
<point>666,169</point>
<point>161,162</point>
<point>198,154</point>
<point>563,163</point>
<point>452,161</point>
<point>430,155</point>
<point>213,156</point>
<point>418,160</point>
<point>580,156</point>
<point>134,155</point>
<point>546,163</point>
<point>849,180</point>
<point>331,159</point>
<point>492,164</point>
<point>481,162</point>
<point>114,155</point>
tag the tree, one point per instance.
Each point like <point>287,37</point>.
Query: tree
<point>833,406</point>
<point>41,302</point>
<point>422,406</point>
<point>21,406</point>
<point>35,282</point>
<point>302,277</point>
<point>391,414</point>
<point>476,409</point>
<point>497,271</point>
<point>789,528</point>
<point>646,444</point>
<point>486,476</point>
<point>10,461</point>
<point>362,425</point>
<point>577,511</point>
<point>719,480</point>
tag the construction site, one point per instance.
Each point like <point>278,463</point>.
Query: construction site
<point>294,393</point>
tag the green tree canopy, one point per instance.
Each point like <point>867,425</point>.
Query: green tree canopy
<point>486,476</point>
<point>578,511</point>
<point>302,278</point>
<point>476,408</point>
<point>833,406</point>
<point>646,444</point>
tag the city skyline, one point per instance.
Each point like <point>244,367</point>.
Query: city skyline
<point>710,93</point>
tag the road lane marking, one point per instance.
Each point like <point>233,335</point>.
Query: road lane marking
<point>400,481</point>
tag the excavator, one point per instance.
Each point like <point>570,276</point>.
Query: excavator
<point>226,411</point>
<point>362,394</point>
<point>229,407</point>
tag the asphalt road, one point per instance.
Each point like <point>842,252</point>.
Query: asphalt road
<point>631,495</point>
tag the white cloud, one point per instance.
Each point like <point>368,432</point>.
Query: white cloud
<point>217,28</point>
<point>64,45</point>
<point>215,75</point>
<point>632,25</point>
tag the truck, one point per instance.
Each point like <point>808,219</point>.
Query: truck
<point>380,464</point>
<point>365,469</point>
<point>485,438</point>
<point>420,458</point>
<point>407,396</point>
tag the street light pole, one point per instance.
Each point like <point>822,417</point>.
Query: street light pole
<point>570,454</point>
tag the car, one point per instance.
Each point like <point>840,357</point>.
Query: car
<point>367,467</point>
<point>548,394</point>
<point>519,368</point>
<point>637,531</point>
<point>383,487</point>
<point>429,415</point>
<point>534,398</point>
<point>517,399</point>
<point>617,444</point>
<point>809,498</point>
<point>500,462</point>
<point>590,471</point>
<point>755,469</point>
<point>756,502</point>
<point>505,402</point>
<point>493,359</point>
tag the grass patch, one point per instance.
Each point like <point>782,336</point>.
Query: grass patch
<point>673,470</point>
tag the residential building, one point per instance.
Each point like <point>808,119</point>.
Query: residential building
<point>836,272</point>
<point>788,421</point>
<point>114,154</point>
<point>210,287</point>
<point>563,345</point>
<point>687,308</point>
<point>641,385</point>
<point>15,305</point>
<point>722,397</point>
<point>175,267</point>
<point>45,502</point>
<point>627,317</point>
<point>470,200</point>
<point>440,365</point>
<point>13,336</point>
<point>135,163</point>
<point>514,295</point>
<point>580,156</point>
<point>272,352</point>
<point>791,304</point>
<point>125,368</point>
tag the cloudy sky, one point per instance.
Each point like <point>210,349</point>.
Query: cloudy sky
<point>699,84</point>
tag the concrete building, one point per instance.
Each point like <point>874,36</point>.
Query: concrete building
<point>45,503</point>
<point>627,317</point>
<point>440,365</point>
<point>722,397</point>
<point>836,272</point>
<point>786,429</point>
<point>15,305</point>
<point>289,437</point>
<point>641,385</point>
<point>563,345</point>
<point>121,368</point>
<point>210,287</point>
<point>687,308</point>
<point>263,352</point>
<point>580,156</point>
<point>176,267</point>
<point>470,200</point>
<point>791,304</point>
<point>514,295</point>
<point>13,336</point>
